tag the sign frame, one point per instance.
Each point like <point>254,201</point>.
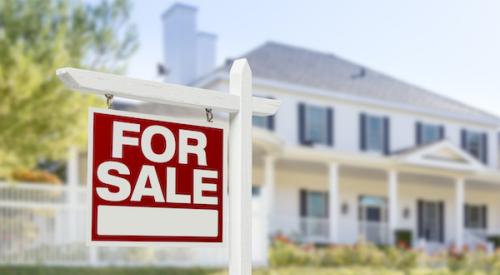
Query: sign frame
<point>239,103</point>
<point>202,122</point>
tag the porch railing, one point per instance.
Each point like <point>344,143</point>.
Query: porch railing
<point>302,229</point>
<point>45,224</point>
<point>475,237</point>
<point>374,232</point>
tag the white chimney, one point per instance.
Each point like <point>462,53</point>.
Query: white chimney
<point>206,45</point>
<point>188,54</point>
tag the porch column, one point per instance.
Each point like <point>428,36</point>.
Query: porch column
<point>459,210</point>
<point>392,221</point>
<point>268,201</point>
<point>72,179</point>
<point>333,182</point>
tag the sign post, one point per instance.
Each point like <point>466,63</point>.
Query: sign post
<point>240,171</point>
<point>240,105</point>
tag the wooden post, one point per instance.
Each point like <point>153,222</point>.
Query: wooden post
<point>240,171</point>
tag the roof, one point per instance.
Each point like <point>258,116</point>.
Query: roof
<point>290,64</point>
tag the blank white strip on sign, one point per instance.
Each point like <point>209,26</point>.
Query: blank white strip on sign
<point>154,221</point>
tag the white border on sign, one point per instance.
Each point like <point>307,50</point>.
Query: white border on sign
<point>224,125</point>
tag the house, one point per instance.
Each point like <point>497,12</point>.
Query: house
<point>353,153</point>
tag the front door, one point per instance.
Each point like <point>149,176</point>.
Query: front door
<point>431,220</point>
<point>314,223</point>
<point>373,219</point>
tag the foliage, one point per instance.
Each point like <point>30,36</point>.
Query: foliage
<point>284,254</point>
<point>39,118</point>
<point>42,270</point>
<point>197,271</point>
<point>404,238</point>
<point>363,254</point>
<point>25,175</point>
<point>495,239</point>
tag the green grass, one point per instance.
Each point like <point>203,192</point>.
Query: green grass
<point>38,270</point>
<point>172,271</point>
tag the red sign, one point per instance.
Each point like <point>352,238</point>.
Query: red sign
<point>153,179</point>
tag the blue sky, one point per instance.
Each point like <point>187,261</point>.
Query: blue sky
<point>451,47</point>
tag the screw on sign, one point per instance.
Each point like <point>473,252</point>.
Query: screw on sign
<point>155,179</point>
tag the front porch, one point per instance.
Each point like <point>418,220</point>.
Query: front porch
<point>326,197</point>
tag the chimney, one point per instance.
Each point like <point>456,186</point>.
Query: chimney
<point>205,53</point>
<point>188,54</point>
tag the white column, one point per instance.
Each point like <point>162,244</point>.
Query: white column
<point>333,182</point>
<point>459,210</point>
<point>268,200</point>
<point>72,178</point>
<point>392,181</point>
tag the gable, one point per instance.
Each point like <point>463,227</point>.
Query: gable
<point>442,155</point>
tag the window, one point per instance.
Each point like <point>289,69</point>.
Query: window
<point>264,122</point>
<point>374,133</point>
<point>427,133</point>
<point>475,216</point>
<point>256,191</point>
<point>314,204</point>
<point>476,144</point>
<point>372,209</point>
<point>315,125</point>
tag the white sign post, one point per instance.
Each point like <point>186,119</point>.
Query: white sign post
<point>241,106</point>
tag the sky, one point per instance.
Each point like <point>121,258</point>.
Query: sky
<point>451,47</point>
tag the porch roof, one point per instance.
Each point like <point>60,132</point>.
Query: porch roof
<point>440,158</point>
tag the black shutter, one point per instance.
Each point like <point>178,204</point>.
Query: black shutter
<point>362,132</point>
<point>463,139</point>
<point>329,126</point>
<point>270,123</point>
<point>327,200</point>
<point>466,215</point>
<point>441,132</point>
<point>485,148</point>
<point>387,136</point>
<point>485,217</point>
<point>418,133</point>
<point>420,215</point>
<point>441,222</point>
<point>303,203</point>
<point>302,122</point>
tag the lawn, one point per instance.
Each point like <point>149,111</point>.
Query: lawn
<point>274,271</point>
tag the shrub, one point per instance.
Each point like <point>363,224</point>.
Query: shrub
<point>288,254</point>
<point>495,240</point>
<point>35,176</point>
<point>403,238</point>
<point>285,254</point>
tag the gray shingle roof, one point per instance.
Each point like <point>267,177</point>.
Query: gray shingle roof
<point>290,64</point>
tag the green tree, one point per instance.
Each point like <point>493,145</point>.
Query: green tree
<point>39,118</point>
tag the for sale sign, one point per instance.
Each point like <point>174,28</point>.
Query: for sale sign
<point>155,180</point>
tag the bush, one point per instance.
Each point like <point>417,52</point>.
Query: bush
<point>403,238</point>
<point>288,254</point>
<point>495,240</point>
<point>35,176</point>
<point>284,253</point>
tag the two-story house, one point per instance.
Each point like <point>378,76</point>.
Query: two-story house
<point>353,153</point>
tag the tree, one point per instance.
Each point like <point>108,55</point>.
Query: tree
<point>39,118</point>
